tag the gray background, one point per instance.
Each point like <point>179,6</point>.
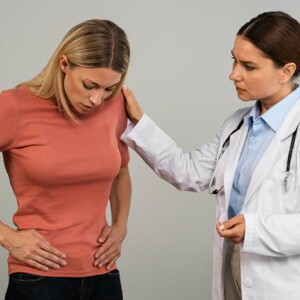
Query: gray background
<point>179,71</point>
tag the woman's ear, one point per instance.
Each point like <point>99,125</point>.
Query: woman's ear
<point>63,63</point>
<point>288,70</point>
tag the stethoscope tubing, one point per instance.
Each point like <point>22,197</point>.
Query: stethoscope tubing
<point>288,163</point>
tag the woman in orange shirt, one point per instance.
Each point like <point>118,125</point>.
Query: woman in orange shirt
<point>61,145</point>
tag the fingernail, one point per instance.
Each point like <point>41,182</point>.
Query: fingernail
<point>124,87</point>
<point>221,227</point>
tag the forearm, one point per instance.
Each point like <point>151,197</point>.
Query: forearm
<point>120,197</point>
<point>5,231</point>
<point>187,171</point>
<point>112,236</point>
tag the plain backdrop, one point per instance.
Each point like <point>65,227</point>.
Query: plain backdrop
<point>179,71</point>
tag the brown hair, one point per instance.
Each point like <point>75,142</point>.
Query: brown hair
<point>277,35</point>
<point>90,44</point>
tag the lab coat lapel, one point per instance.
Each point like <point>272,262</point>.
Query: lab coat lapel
<point>273,151</point>
<point>237,141</point>
<point>263,168</point>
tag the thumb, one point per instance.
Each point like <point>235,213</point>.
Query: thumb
<point>126,92</point>
<point>104,235</point>
<point>219,225</point>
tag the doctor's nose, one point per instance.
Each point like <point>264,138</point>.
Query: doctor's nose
<point>235,74</point>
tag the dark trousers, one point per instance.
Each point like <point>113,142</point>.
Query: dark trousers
<point>24,286</point>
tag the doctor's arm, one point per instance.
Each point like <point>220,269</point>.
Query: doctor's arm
<point>186,171</point>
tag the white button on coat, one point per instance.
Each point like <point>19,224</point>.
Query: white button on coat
<point>247,282</point>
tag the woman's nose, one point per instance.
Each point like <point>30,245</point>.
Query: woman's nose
<point>97,98</point>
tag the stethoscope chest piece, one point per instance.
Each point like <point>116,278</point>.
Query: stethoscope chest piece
<point>287,181</point>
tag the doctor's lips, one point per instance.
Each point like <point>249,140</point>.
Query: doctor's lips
<point>239,89</point>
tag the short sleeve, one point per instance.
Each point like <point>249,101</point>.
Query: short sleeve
<point>122,123</point>
<point>8,121</point>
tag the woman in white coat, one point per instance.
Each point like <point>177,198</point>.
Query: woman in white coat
<point>252,165</point>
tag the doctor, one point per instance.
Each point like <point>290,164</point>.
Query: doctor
<point>252,165</point>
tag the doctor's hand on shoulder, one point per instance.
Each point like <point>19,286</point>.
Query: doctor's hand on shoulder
<point>133,108</point>
<point>232,229</point>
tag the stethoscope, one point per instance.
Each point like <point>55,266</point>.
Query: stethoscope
<point>213,190</point>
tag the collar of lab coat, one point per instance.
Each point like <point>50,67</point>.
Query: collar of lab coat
<point>290,122</point>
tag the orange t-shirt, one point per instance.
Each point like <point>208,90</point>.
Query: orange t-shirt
<point>61,174</point>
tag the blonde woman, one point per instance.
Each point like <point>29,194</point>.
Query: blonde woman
<point>60,140</point>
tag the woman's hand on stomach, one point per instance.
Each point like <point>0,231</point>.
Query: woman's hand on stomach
<point>31,248</point>
<point>110,246</point>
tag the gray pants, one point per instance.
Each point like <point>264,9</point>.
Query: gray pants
<point>232,271</point>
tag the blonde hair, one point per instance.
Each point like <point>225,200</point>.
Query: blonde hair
<point>90,44</point>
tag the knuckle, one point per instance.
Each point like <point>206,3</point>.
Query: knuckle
<point>52,258</point>
<point>53,251</point>
<point>38,243</point>
<point>28,253</point>
<point>106,261</point>
<point>43,261</point>
<point>103,257</point>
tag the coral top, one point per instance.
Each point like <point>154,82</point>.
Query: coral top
<point>61,173</point>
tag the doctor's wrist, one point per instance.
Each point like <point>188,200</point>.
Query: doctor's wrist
<point>136,118</point>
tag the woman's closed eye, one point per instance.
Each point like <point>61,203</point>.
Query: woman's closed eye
<point>87,86</point>
<point>110,89</point>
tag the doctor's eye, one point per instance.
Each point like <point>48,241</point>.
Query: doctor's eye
<point>249,68</point>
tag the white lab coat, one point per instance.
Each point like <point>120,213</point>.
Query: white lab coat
<point>270,253</point>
